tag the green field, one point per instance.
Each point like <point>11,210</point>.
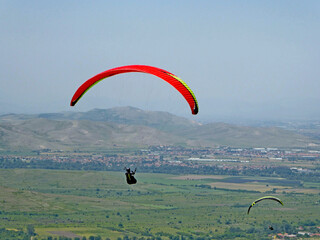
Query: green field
<point>90,203</point>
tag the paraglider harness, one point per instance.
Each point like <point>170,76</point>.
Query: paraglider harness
<point>129,176</point>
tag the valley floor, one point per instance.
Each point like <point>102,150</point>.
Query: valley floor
<point>160,206</point>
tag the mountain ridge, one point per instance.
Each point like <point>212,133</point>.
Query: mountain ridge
<point>129,127</point>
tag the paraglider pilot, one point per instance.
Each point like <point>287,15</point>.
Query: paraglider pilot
<point>129,176</point>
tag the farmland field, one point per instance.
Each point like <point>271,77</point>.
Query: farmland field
<point>91,203</point>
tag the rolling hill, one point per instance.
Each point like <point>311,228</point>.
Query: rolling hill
<point>129,127</point>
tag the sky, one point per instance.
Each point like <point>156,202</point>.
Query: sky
<point>254,60</point>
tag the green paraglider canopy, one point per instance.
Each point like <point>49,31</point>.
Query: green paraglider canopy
<point>265,198</point>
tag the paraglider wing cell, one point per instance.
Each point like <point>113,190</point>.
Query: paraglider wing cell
<point>173,80</point>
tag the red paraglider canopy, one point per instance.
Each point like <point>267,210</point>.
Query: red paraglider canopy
<point>173,80</point>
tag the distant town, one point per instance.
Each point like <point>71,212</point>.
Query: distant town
<point>176,159</point>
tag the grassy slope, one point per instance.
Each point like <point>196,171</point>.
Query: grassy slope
<point>37,134</point>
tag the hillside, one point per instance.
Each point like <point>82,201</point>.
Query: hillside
<point>121,115</point>
<point>131,127</point>
<point>245,136</point>
<point>34,134</point>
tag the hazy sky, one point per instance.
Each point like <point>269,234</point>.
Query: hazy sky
<point>242,59</point>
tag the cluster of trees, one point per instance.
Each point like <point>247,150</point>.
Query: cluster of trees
<point>13,234</point>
